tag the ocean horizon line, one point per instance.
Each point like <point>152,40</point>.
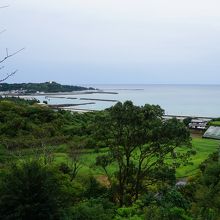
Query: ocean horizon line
<point>145,84</point>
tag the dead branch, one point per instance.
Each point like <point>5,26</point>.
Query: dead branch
<point>8,75</point>
<point>10,55</point>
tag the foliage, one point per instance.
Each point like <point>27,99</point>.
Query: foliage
<point>25,125</point>
<point>19,100</point>
<point>93,209</point>
<point>187,120</point>
<point>207,191</point>
<point>140,143</point>
<point>32,191</point>
<point>120,163</point>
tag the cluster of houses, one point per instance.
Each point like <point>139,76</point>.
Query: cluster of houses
<point>194,123</point>
<point>201,124</point>
<point>212,132</point>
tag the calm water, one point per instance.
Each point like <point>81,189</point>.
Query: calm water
<point>194,100</point>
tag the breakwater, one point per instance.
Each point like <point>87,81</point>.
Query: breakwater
<point>101,100</point>
<point>70,105</point>
<point>58,97</point>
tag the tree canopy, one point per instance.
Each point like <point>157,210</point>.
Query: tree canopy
<point>144,147</point>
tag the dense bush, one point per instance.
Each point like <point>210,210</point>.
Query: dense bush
<point>33,191</point>
<point>93,209</point>
<point>25,125</point>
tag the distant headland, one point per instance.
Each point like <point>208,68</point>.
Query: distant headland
<point>36,88</point>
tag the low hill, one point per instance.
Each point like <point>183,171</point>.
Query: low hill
<point>46,87</point>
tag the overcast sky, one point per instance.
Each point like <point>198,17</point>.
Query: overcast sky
<point>113,41</point>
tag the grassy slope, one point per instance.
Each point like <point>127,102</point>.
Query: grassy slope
<point>203,147</point>
<point>215,123</point>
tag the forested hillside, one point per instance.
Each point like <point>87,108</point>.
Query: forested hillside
<point>119,164</point>
<point>41,87</point>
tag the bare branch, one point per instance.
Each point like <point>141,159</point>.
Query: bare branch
<point>7,76</point>
<point>10,55</point>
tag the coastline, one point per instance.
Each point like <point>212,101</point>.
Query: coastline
<point>85,92</point>
<point>181,101</point>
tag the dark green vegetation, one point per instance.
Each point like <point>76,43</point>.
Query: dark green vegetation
<point>144,148</point>
<point>121,163</point>
<point>215,122</point>
<point>32,191</point>
<point>24,125</point>
<point>18,100</point>
<point>46,87</point>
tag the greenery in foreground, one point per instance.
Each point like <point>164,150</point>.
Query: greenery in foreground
<point>122,163</point>
<point>46,87</point>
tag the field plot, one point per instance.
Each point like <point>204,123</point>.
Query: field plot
<point>203,147</point>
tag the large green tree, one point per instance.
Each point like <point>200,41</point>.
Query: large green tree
<point>143,145</point>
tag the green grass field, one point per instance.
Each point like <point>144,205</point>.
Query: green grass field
<point>203,147</point>
<point>215,123</point>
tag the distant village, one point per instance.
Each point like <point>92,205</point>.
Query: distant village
<point>200,125</point>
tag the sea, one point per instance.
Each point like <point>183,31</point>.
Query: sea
<point>179,100</point>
